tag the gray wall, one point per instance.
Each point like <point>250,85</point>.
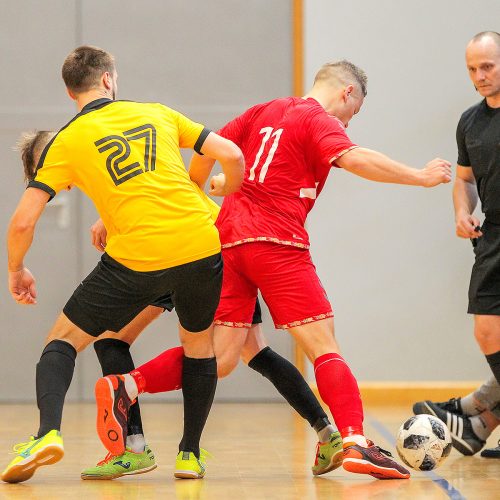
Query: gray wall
<point>395,272</point>
<point>388,255</point>
<point>210,60</point>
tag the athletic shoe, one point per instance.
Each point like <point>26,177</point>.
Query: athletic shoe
<point>187,466</point>
<point>113,404</point>
<point>329,455</point>
<point>462,435</point>
<point>373,461</point>
<point>46,450</point>
<point>127,464</point>
<point>491,452</point>
<point>453,405</point>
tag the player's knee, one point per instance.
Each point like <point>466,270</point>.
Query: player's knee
<point>67,331</point>
<point>486,337</point>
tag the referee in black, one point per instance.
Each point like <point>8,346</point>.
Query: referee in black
<point>478,177</point>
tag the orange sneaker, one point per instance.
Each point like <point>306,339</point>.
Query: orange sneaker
<point>373,461</point>
<point>113,404</point>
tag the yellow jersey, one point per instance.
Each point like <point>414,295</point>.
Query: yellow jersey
<point>125,156</point>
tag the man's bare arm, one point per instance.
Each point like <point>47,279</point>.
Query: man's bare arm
<point>228,155</point>
<point>19,238</point>
<point>378,167</point>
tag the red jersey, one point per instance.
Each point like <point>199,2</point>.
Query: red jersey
<point>289,145</point>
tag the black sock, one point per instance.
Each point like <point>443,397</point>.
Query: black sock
<point>494,362</point>
<point>199,380</point>
<point>115,358</point>
<point>291,385</point>
<point>54,372</point>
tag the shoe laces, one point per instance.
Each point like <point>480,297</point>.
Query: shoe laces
<point>20,446</point>
<point>385,452</point>
<point>107,459</point>
<point>316,459</point>
<point>371,444</point>
<point>204,454</point>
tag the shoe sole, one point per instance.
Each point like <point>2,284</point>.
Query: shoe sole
<point>335,463</point>
<point>115,476</point>
<point>187,474</point>
<point>108,428</point>
<point>24,471</point>
<point>359,466</point>
<point>491,453</point>
<point>459,444</point>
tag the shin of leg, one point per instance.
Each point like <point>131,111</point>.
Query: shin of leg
<point>487,333</point>
<point>228,344</point>
<point>336,383</point>
<point>54,373</point>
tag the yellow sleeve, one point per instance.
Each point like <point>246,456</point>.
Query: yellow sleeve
<point>53,172</point>
<point>189,131</point>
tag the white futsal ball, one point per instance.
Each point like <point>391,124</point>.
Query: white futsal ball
<point>423,442</point>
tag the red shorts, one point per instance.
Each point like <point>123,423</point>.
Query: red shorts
<point>286,278</point>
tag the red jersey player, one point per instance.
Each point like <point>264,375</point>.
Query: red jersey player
<point>290,145</point>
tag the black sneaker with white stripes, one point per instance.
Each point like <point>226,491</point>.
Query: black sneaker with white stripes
<point>453,405</point>
<point>463,436</point>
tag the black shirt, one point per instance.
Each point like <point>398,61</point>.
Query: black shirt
<point>478,140</point>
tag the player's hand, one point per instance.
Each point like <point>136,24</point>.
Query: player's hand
<point>98,235</point>
<point>22,286</point>
<point>436,172</point>
<point>467,226</point>
<point>217,185</point>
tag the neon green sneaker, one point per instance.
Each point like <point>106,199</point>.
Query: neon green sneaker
<point>126,464</point>
<point>328,455</point>
<point>187,466</point>
<point>46,450</point>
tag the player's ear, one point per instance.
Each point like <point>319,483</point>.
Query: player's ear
<point>348,91</point>
<point>107,80</point>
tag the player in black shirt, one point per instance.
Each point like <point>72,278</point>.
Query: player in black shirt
<point>472,419</point>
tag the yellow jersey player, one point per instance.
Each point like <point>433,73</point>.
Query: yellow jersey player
<point>161,239</point>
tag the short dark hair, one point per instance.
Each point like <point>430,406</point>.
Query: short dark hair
<point>344,71</point>
<point>487,34</point>
<point>83,68</point>
<point>31,145</point>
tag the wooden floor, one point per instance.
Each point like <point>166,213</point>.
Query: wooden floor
<point>261,451</point>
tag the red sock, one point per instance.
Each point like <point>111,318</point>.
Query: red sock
<point>339,390</point>
<point>161,374</point>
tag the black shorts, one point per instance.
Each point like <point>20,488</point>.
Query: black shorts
<point>257,313</point>
<point>112,294</point>
<point>166,303</point>
<point>484,288</point>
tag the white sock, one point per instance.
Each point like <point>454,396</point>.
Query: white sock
<point>325,433</point>
<point>131,386</point>
<point>359,439</point>
<point>136,443</point>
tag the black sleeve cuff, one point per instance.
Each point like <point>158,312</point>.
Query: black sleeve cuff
<point>43,187</point>
<point>199,143</point>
